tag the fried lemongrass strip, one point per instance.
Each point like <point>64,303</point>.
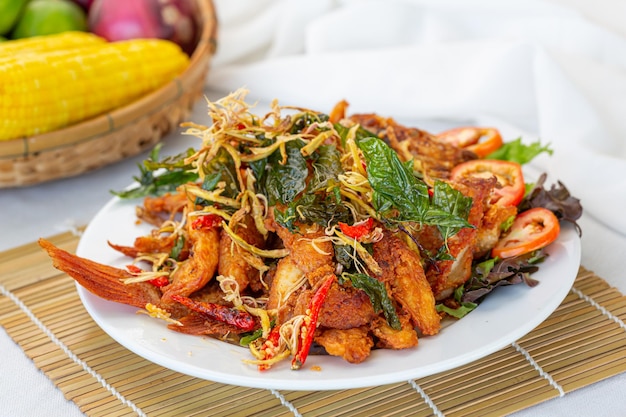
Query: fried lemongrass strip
<point>290,331</point>
<point>264,253</point>
<point>259,205</point>
<point>256,262</point>
<point>157,261</point>
<point>210,210</point>
<point>237,160</point>
<point>284,296</point>
<point>171,226</point>
<point>230,288</point>
<point>259,153</point>
<point>371,263</point>
<point>159,313</point>
<point>227,112</point>
<point>358,202</point>
<point>316,142</point>
<point>214,196</point>
<point>263,316</point>
<point>355,181</point>
<point>319,239</point>
<point>145,276</point>
<point>283,353</point>
<point>193,128</point>
<point>353,152</point>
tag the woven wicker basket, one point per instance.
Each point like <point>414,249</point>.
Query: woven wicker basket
<point>119,134</point>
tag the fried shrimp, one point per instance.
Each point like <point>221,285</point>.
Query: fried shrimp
<point>199,268</point>
<point>232,258</point>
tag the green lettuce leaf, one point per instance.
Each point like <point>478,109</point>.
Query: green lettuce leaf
<point>518,152</point>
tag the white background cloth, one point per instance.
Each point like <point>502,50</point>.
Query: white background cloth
<point>554,70</point>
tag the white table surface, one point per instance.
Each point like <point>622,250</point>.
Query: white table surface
<point>47,209</point>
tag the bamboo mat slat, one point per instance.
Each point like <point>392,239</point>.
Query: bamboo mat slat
<point>582,342</point>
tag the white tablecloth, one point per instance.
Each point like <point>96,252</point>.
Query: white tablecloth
<point>46,209</point>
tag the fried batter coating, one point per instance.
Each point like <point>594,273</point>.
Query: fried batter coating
<point>489,232</point>
<point>199,268</point>
<point>469,244</point>
<point>346,307</point>
<point>232,259</point>
<point>156,210</point>
<point>354,345</point>
<point>403,273</point>
<point>389,338</point>
<point>153,244</point>
<point>311,254</point>
<point>446,275</point>
<point>433,157</point>
<point>284,282</point>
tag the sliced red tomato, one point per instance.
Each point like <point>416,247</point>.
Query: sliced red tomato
<point>470,139</point>
<point>531,230</point>
<point>510,189</point>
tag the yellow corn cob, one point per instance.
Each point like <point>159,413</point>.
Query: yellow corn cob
<point>46,43</point>
<point>48,91</point>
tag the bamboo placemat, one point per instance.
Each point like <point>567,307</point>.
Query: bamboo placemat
<point>582,342</point>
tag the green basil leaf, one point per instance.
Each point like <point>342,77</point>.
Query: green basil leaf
<point>326,168</point>
<point>343,255</point>
<point>222,168</point>
<point>395,186</point>
<point>284,182</point>
<point>449,209</point>
<point>377,294</point>
<point>177,248</point>
<point>153,181</point>
<point>361,133</point>
<point>393,181</point>
<point>306,119</point>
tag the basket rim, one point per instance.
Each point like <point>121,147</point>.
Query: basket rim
<point>119,118</point>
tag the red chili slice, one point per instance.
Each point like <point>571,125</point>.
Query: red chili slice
<point>307,330</point>
<point>238,318</point>
<point>206,221</point>
<point>357,230</point>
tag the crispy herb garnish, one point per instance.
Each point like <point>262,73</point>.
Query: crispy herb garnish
<point>285,181</point>
<point>160,177</point>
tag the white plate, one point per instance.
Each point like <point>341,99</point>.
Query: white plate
<point>504,317</point>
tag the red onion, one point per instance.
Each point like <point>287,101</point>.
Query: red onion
<point>117,20</point>
<point>85,4</point>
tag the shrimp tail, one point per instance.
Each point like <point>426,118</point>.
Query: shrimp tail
<point>102,280</point>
